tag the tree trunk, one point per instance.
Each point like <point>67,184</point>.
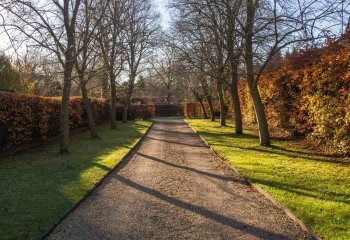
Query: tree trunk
<point>211,108</point>
<point>201,103</point>
<point>252,82</point>
<point>204,110</point>
<point>128,96</point>
<point>234,63</point>
<point>221,103</point>
<point>64,115</point>
<point>236,104</point>
<point>130,116</point>
<point>88,110</point>
<point>113,109</point>
<point>105,86</point>
<point>125,109</point>
<point>264,134</point>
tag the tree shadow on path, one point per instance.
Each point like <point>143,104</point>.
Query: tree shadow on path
<point>250,229</point>
<point>220,177</point>
<point>180,143</point>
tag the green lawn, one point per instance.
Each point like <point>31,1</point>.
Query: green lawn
<point>314,187</point>
<point>37,189</point>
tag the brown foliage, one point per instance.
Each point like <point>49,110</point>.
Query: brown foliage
<point>309,95</point>
<point>163,110</point>
<point>27,118</point>
<point>194,109</point>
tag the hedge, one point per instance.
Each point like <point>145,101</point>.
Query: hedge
<point>308,95</point>
<point>165,110</point>
<point>137,111</point>
<point>27,118</point>
<point>194,109</point>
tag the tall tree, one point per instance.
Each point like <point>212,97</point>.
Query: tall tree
<point>140,36</point>
<point>270,26</point>
<point>87,64</point>
<point>167,67</point>
<point>9,76</point>
<point>233,45</point>
<point>201,26</point>
<point>110,38</point>
<point>50,25</point>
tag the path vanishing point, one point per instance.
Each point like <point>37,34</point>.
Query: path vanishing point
<point>174,187</point>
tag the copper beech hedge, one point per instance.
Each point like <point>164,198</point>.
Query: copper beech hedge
<point>28,118</point>
<point>164,110</point>
<point>195,110</point>
<point>137,111</point>
<point>309,94</point>
<point>306,94</point>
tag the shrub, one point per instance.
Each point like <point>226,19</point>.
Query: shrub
<point>164,110</point>
<point>327,101</point>
<point>142,111</point>
<point>27,118</point>
<point>308,95</point>
<point>137,111</point>
<point>247,107</point>
<point>194,109</point>
<point>283,90</point>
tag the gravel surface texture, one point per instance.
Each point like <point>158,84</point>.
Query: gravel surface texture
<point>174,187</point>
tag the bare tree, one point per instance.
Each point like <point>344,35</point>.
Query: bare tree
<point>233,46</point>
<point>167,67</point>
<point>88,63</point>
<point>50,25</point>
<point>110,38</point>
<point>224,32</point>
<point>140,36</point>
<point>270,26</point>
<point>195,82</point>
<point>199,83</point>
<point>207,91</point>
<point>202,27</point>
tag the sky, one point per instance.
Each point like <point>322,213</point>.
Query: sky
<point>164,13</point>
<point>3,42</point>
<point>161,8</point>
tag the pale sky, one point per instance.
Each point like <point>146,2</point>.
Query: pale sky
<point>3,42</point>
<point>164,13</point>
<point>161,8</point>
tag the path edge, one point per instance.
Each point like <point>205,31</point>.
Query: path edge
<point>126,156</point>
<point>260,190</point>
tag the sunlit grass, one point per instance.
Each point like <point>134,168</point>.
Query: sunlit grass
<point>315,187</point>
<point>37,188</point>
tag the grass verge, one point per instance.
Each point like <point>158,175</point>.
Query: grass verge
<point>37,188</point>
<point>316,188</point>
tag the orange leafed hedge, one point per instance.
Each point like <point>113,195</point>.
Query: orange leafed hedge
<point>309,94</point>
<point>137,111</point>
<point>306,94</point>
<point>194,109</point>
<point>27,118</point>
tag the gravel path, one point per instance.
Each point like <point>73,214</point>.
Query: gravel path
<point>173,187</point>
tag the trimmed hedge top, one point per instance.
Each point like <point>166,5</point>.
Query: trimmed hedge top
<point>29,118</point>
